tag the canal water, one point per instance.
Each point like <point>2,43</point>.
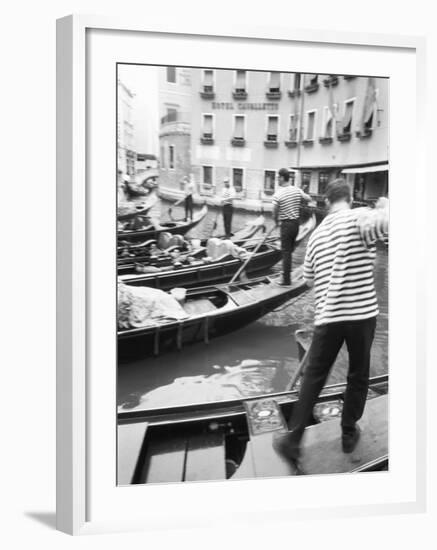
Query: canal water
<point>258,359</point>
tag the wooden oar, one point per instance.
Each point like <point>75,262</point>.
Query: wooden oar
<point>258,246</point>
<point>300,369</point>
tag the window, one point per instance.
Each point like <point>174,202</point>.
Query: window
<point>311,84</point>
<point>239,128</point>
<point>163,163</point>
<point>275,83</point>
<point>237,179</point>
<point>171,157</point>
<point>207,175</point>
<point>207,129</point>
<point>292,132</point>
<point>323,182</point>
<point>269,182</point>
<point>240,82</point>
<point>306,180</point>
<point>272,128</point>
<point>171,74</point>
<point>311,119</point>
<point>346,123</point>
<point>208,82</point>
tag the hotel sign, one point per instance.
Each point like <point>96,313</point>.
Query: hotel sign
<point>244,106</point>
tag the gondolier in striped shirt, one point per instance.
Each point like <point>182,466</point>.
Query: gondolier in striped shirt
<point>339,263</point>
<point>286,212</point>
<point>228,196</point>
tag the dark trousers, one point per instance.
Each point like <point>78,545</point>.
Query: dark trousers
<point>228,210</point>
<point>326,343</point>
<point>289,231</point>
<point>189,207</point>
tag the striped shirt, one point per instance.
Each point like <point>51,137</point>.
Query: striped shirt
<point>341,267</point>
<point>288,200</point>
<point>228,195</point>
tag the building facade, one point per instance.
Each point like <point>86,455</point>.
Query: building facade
<point>125,130</point>
<point>175,111</point>
<point>246,125</point>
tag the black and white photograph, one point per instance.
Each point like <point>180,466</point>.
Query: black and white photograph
<point>252,273</point>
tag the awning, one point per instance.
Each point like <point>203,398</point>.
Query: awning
<point>366,169</point>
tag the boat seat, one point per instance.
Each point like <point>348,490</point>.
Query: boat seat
<point>205,458</point>
<point>164,461</point>
<point>197,307</point>
<point>129,447</point>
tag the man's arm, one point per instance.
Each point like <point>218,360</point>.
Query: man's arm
<point>276,213</point>
<point>308,271</point>
<point>305,197</point>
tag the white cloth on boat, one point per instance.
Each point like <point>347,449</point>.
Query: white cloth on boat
<point>216,248</point>
<point>142,306</point>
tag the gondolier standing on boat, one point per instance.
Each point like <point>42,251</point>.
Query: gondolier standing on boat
<point>339,263</point>
<point>287,203</point>
<point>228,196</point>
<point>189,192</point>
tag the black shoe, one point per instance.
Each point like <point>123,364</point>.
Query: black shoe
<point>290,450</point>
<point>349,440</point>
<point>286,447</point>
<point>285,283</point>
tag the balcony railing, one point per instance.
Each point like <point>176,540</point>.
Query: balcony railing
<point>207,92</point>
<point>238,142</point>
<point>174,116</point>
<point>272,141</point>
<point>273,93</point>
<point>239,93</point>
<point>207,139</point>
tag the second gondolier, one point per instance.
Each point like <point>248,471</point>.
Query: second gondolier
<point>287,203</point>
<point>228,196</point>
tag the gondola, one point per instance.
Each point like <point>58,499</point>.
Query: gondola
<point>231,440</point>
<point>175,227</point>
<point>136,210</point>
<point>127,251</point>
<point>210,312</point>
<point>200,271</point>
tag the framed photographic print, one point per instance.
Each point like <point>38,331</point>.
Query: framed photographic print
<point>238,323</point>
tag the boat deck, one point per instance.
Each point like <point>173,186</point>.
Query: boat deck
<point>186,456</point>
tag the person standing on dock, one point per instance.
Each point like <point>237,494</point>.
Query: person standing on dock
<point>287,203</point>
<point>228,196</point>
<point>339,263</point>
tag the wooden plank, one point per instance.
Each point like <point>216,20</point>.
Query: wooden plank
<point>129,443</point>
<point>322,452</point>
<point>206,458</point>
<point>165,461</point>
<point>265,421</point>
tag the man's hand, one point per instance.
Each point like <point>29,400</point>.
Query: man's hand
<point>373,224</point>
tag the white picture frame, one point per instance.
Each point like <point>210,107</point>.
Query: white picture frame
<point>75,345</point>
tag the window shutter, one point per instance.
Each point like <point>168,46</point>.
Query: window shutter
<point>207,125</point>
<point>207,78</point>
<point>241,80</point>
<point>272,126</point>
<point>274,80</point>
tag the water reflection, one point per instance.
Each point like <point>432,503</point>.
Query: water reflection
<point>255,360</point>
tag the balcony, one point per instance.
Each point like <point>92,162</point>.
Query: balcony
<point>207,92</point>
<point>291,144</point>
<point>367,132</point>
<point>332,80</point>
<point>207,139</point>
<point>238,142</point>
<point>239,93</point>
<point>348,77</point>
<point>326,140</point>
<point>271,142</point>
<point>312,87</point>
<point>294,93</point>
<point>273,93</point>
<point>345,136</point>
<point>308,142</point>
